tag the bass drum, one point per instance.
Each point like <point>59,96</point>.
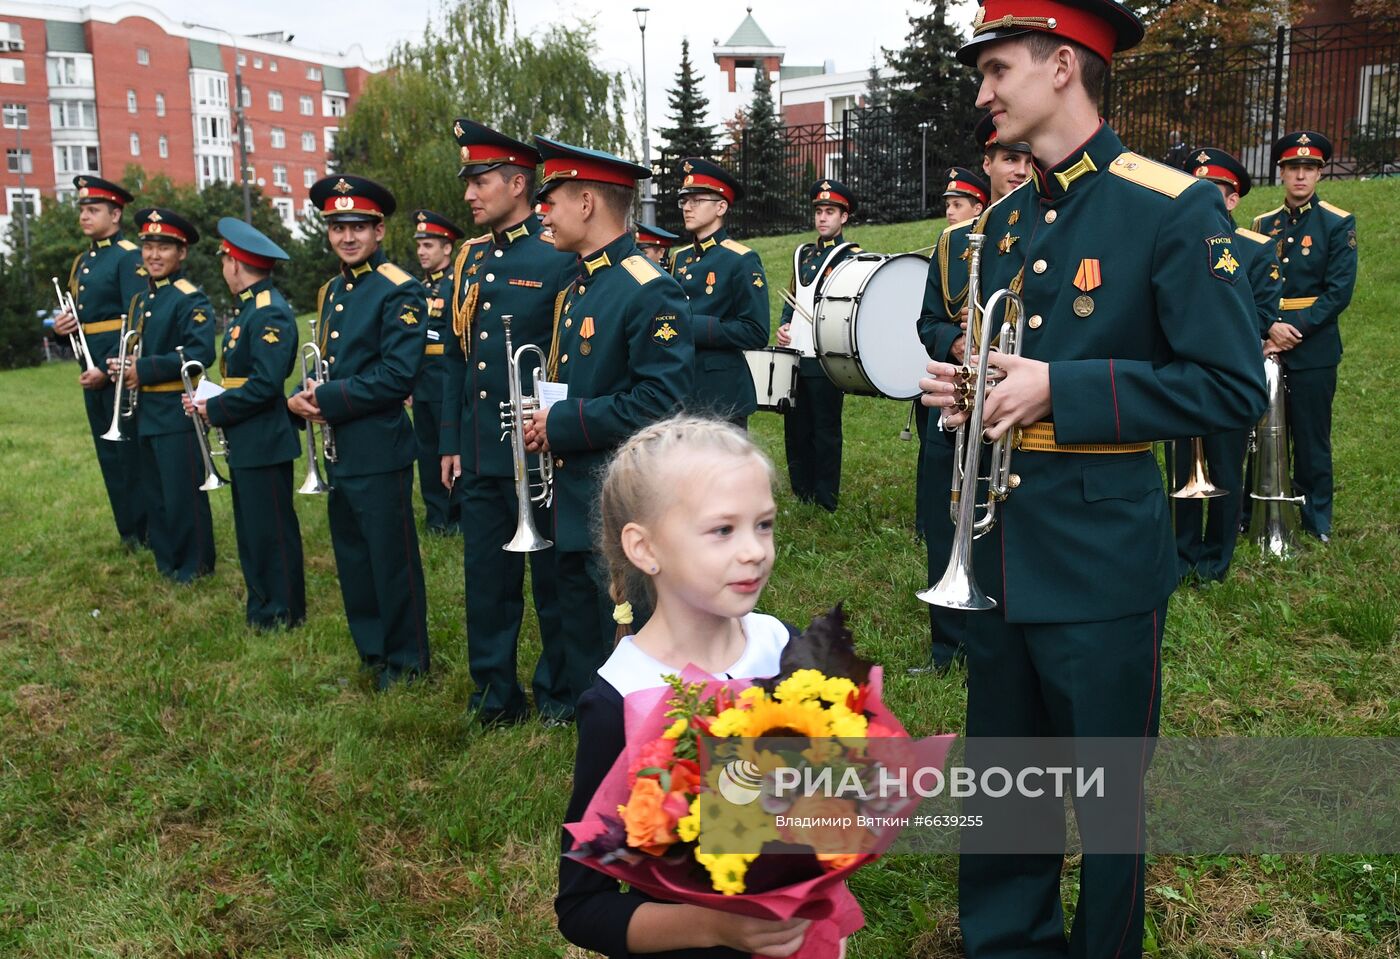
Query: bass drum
<point>867,331</point>
<point>774,372</point>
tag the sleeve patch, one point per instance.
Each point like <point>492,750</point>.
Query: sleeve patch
<point>200,316</point>
<point>1351,239</point>
<point>270,335</point>
<point>663,330</point>
<point>1221,258</point>
<point>758,280</point>
<point>409,316</point>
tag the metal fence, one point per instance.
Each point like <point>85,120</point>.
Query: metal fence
<point>1342,80</point>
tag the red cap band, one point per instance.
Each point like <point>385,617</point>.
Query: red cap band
<point>962,186</point>
<point>831,196</point>
<point>97,193</point>
<point>580,168</point>
<point>1218,174</point>
<point>243,256</point>
<point>1049,16</point>
<point>351,204</point>
<point>1312,154</point>
<point>162,231</point>
<point>701,181</point>
<point>437,229</point>
<point>646,236</point>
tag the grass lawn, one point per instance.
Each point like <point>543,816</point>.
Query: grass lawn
<point>174,785</point>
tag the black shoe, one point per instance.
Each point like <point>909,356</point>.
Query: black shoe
<point>556,721</point>
<point>931,668</point>
<point>495,718</point>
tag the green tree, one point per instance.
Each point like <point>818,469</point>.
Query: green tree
<point>883,163</point>
<point>691,133</point>
<point>471,61</point>
<point>21,328</point>
<point>762,157</point>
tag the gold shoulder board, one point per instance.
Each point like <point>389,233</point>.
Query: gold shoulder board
<point>185,286</point>
<point>393,274</point>
<point>263,299</point>
<point>642,269</point>
<point>1251,235</point>
<point>735,246</point>
<point>1149,173</point>
<point>127,245</point>
<point>958,226</point>
<point>479,239</point>
<point>1333,209</point>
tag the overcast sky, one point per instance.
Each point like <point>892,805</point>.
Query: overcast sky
<point>811,31</point>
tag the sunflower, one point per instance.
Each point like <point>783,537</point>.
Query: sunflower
<point>768,718</point>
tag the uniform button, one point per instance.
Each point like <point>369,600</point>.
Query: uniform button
<point>564,358</point>
<point>92,253</point>
<point>1290,240</point>
<point>335,334</point>
<point>148,312</point>
<point>1035,322</point>
<point>81,287</point>
<point>1050,216</point>
<point>580,288</point>
<point>85,269</point>
<point>349,286</point>
<point>330,359</point>
<point>339,307</point>
<point>481,365</point>
<point>482,394</point>
<point>499,253</point>
<point>1285,259</point>
<point>486,306</point>
<point>559,462</point>
<point>568,323</point>
<point>490,278</point>
<point>1040,266</point>
<point>483,334</point>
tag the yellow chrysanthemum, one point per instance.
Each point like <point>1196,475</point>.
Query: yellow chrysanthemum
<point>726,870</point>
<point>688,827</point>
<point>675,730</point>
<point>731,722</point>
<point>786,719</point>
<point>836,689</point>
<point>846,724</point>
<point>800,687</point>
<point>751,695</point>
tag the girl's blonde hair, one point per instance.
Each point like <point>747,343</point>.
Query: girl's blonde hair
<point>639,475</point>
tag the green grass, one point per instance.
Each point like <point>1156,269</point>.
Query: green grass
<point>174,785</point>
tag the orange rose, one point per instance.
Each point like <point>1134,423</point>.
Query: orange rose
<point>685,776</point>
<point>648,825</point>
<point>838,860</point>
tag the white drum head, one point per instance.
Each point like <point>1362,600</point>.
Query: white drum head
<point>887,326</point>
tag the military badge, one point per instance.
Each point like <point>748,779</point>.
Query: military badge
<point>966,255</point>
<point>1089,277</point>
<point>1083,305</point>
<point>1222,262</point>
<point>457,130</point>
<point>1005,244</point>
<point>1014,218</point>
<point>1202,157</point>
<point>233,333</point>
<point>199,316</point>
<point>409,317</point>
<point>1274,274</point>
<point>585,330</point>
<point>710,282</point>
<point>585,347</point>
<point>269,335</point>
<point>758,280</point>
<point>662,331</point>
<point>1351,239</point>
<point>1307,245</point>
<point>1304,139</point>
<point>342,187</point>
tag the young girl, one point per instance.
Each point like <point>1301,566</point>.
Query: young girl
<point>687,517</point>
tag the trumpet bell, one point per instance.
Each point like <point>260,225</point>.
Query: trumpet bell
<point>212,482</point>
<point>1198,484</point>
<point>527,539</point>
<point>313,484</point>
<point>957,590</point>
<point>114,434</point>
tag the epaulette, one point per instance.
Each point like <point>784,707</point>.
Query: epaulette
<point>676,255</point>
<point>1251,235</point>
<point>264,298</point>
<point>321,298</point>
<point>1136,168</point>
<point>734,246</point>
<point>642,269</point>
<point>1268,213</point>
<point>393,274</point>
<point>1333,209</point>
<point>185,286</point>
<point>127,245</point>
<point>478,239</point>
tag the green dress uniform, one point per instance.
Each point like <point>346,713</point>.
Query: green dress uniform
<point>726,285</point>
<point>1208,553</point>
<point>103,280</point>
<point>259,353</point>
<point>518,274</point>
<point>1316,244</point>
<point>1129,274</point>
<point>371,333</point>
<point>172,312</point>
<point>812,435</point>
<point>442,506</point>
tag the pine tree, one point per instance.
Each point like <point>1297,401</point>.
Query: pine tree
<point>692,134</point>
<point>763,156</point>
<point>882,157</point>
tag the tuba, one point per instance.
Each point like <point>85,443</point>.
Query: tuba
<point>189,370</point>
<point>77,339</point>
<point>527,538</point>
<point>1273,522</point>
<point>124,403</point>
<point>315,369</point>
<point>958,589</point>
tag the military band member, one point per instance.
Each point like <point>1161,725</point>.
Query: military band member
<point>371,328</point>
<point>1134,332</point>
<point>1208,554</point>
<point>508,271</point>
<point>728,293</point>
<point>171,312</point>
<point>102,282</point>
<point>434,236</point>
<point>812,428</point>
<point>1005,165</point>
<point>624,352</point>
<point>655,244</point>
<point>1316,245</point>
<point>965,196</point>
<point>259,353</point>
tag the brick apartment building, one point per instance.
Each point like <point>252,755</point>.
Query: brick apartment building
<point>93,89</point>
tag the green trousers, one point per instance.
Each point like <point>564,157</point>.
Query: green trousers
<point>947,627</point>
<point>269,545</point>
<point>121,467</point>
<point>179,525</point>
<point>441,506</point>
<point>1208,552</point>
<point>812,437</point>
<point>589,631</point>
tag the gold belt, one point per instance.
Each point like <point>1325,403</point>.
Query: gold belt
<point>1040,438</point>
<point>434,349</point>
<point>233,382</point>
<point>1296,302</point>
<point>103,326</point>
<point>171,386</point>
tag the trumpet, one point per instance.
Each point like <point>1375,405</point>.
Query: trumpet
<point>1273,521</point>
<point>527,538</point>
<point>957,588</point>
<point>124,403</point>
<point>189,369</point>
<point>1198,484</point>
<point>77,339</point>
<point>315,369</point>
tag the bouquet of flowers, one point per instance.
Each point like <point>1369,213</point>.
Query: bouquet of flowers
<point>699,808</point>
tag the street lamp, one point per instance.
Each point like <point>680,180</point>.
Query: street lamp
<point>238,110</point>
<point>648,188</point>
<point>923,165</point>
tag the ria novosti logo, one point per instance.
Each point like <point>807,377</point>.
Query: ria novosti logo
<point>740,782</point>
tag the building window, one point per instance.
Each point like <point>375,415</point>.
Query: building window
<point>313,73</point>
<point>19,161</point>
<point>330,138</point>
<point>278,136</point>
<point>839,105</point>
<point>16,116</point>
<point>308,142</point>
<point>213,131</point>
<point>333,106</point>
<point>308,177</point>
<point>143,56</point>
<point>160,104</point>
<point>131,101</point>
<point>248,139</point>
<point>210,90</point>
<point>73,114</point>
<point>10,37</point>
<point>286,209</point>
<point>272,65</point>
<point>242,60</point>
<point>11,71</point>
<point>274,101</point>
<point>257,63</point>
<point>247,97</point>
<point>23,202</point>
<point>164,146</point>
<point>308,106</point>
<point>136,144</point>
<point>279,176</point>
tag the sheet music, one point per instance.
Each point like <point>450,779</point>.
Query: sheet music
<point>207,389</point>
<point>551,393</point>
